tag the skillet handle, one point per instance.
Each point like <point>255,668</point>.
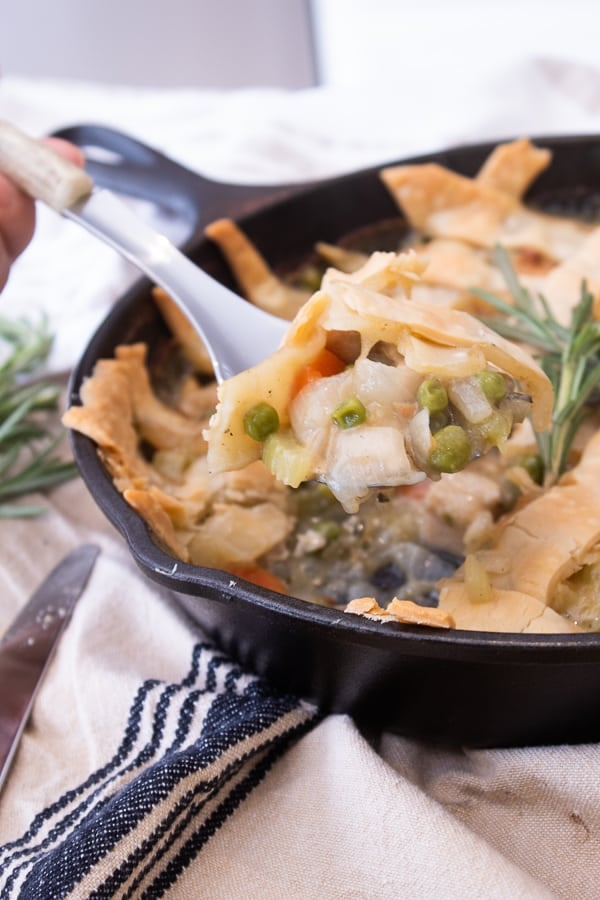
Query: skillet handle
<point>125,165</point>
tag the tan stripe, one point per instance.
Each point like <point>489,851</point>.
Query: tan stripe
<point>146,827</point>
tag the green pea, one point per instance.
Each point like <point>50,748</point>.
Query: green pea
<point>432,395</point>
<point>492,384</point>
<point>533,465</point>
<point>452,449</point>
<point>349,413</point>
<point>260,421</point>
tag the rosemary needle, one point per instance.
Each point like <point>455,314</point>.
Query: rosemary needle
<point>570,356</point>
<point>29,435</point>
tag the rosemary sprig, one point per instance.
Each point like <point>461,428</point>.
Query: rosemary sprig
<point>28,433</point>
<point>570,356</point>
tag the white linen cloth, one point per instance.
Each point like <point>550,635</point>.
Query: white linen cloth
<point>313,809</point>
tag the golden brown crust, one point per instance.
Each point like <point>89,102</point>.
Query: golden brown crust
<point>258,282</point>
<point>247,264</point>
<point>543,542</point>
<point>153,510</point>
<point>441,203</point>
<point>455,264</point>
<point>562,286</point>
<point>172,491</point>
<point>405,611</point>
<point>412,614</point>
<point>512,167</point>
<point>185,333</point>
<point>156,422</point>
<point>387,273</point>
<point>107,416</point>
<point>505,611</point>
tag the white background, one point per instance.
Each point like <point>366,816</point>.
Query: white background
<point>289,43</point>
<point>200,43</point>
<point>383,41</point>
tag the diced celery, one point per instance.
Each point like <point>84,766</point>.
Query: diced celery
<point>495,430</point>
<point>289,460</point>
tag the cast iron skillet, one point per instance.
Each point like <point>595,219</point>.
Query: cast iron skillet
<point>478,689</point>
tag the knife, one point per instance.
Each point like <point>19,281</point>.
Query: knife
<point>27,647</point>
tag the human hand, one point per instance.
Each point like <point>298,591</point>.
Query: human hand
<point>17,211</point>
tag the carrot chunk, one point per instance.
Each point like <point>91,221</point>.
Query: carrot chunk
<point>259,576</point>
<point>322,366</point>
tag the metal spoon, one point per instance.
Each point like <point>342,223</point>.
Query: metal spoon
<point>237,335</point>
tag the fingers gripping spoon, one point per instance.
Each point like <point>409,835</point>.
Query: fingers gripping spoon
<point>237,335</point>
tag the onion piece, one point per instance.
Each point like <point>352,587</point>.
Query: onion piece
<point>421,441</point>
<point>366,457</point>
<point>467,396</point>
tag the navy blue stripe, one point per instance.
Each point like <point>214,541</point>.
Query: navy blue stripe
<point>99,777</point>
<point>232,717</point>
<point>170,830</point>
<point>131,734</point>
<point>98,834</point>
<point>23,848</point>
<point>177,865</point>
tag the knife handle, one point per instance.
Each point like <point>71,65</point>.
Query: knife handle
<point>40,171</point>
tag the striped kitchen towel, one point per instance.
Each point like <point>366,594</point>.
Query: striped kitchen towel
<point>189,754</point>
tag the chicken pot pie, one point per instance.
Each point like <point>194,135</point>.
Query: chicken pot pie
<point>377,364</point>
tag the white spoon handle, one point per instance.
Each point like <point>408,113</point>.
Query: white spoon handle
<point>237,334</point>
<point>40,171</point>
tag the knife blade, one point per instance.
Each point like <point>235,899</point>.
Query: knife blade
<point>28,646</point>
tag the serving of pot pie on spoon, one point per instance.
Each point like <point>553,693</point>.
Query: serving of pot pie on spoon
<point>371,389</point>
